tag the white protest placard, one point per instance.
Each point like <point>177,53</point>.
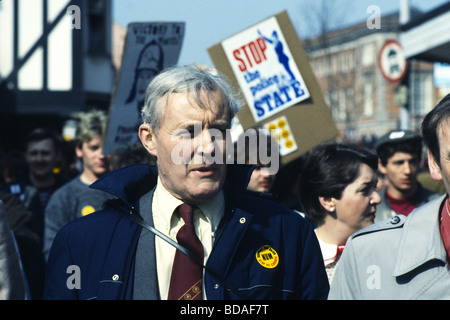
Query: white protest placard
<point>267,62</point>
<point>265,69</point>
<point>149,48</point>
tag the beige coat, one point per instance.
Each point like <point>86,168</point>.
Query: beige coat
<point>399,258</point>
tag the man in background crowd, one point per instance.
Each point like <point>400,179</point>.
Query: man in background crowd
<point>400,156</point>
<point>75,199</point>
<point>42,155</point>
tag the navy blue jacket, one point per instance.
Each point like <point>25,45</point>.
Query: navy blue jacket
<point>263,249</point>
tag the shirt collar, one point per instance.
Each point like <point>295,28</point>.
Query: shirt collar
<point>165,204</point>
<point>213,209</point>
<point>330,252</point>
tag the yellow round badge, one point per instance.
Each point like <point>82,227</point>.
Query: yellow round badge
<point>267,257</point>
<point>87,210</point>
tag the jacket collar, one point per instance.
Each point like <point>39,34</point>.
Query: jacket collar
<point>421,239</point>
<point>131,182</point>
<point>128,183</point>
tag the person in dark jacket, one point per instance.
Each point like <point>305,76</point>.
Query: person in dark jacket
<point>23,226</point>
<point>252,248</point>
<point>12,280</point>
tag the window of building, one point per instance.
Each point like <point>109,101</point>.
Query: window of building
<point>97,27</point>
<point>342,104</point>
<point>333,103</point>
<point>350,108</point>
<point>421,92</point>
<point>368,95</point>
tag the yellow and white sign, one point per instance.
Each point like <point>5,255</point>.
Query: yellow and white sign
<point>280,130</point>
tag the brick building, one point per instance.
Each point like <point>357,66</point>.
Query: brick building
<point>363,103</point>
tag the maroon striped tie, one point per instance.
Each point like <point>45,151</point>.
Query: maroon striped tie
<point>186,279</point>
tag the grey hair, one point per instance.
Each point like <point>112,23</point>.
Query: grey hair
<point>192,79</point>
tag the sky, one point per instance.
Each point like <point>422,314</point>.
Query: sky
<point>208,22</point>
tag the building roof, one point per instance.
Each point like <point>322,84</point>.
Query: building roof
<point>427,37</point>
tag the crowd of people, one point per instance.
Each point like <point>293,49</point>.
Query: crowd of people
<point>341,222</point>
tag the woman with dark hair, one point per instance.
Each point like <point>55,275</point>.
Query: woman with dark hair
<point>338,194</point>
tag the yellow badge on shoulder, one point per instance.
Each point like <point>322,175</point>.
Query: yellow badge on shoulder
<point>87,210</point>
<point>267,257</point>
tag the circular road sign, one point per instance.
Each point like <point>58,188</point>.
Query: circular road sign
<point>392,61</point>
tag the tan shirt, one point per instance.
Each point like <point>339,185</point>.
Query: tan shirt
<point>206,220</point>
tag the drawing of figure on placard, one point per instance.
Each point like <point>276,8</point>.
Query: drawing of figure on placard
<point>149,64</point>
<point>279,50</point>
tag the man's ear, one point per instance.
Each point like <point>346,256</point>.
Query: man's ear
<point>435,170</point>
<point>327,203</point>
<point>147,138</point>
<point>381,168</point>
<point>78,152</point>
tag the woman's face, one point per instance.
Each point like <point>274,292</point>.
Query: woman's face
<point>357,205</point>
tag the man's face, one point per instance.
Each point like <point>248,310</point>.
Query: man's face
<point>189,133</point>
<point>401,172</point>
<point>41,158</point>
<point>94,162</point>
<point>261,180</point>
<point>442,171</point>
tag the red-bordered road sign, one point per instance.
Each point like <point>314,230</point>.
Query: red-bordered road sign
<point>392,61</point>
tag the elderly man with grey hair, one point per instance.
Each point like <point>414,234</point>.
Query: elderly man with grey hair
<point>186,229</point>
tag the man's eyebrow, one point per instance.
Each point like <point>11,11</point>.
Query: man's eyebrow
<point>400,161</point>
<point>190,125</point>
<point>220,123</point>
